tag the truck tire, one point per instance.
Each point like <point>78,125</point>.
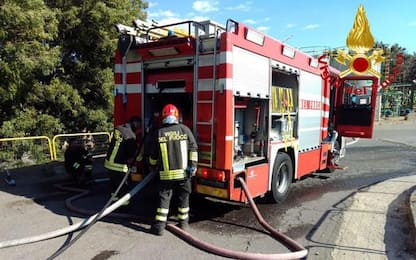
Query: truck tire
<point>282,177</point>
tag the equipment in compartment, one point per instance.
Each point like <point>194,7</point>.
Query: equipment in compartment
<point>238,151</point>
<point>282,100</point>
<point>283,114</point>
<point>282,127</point>
<point>249,130</point>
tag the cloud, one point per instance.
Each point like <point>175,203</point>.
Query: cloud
<point>311,26</point>
<point>162,13</point>
<point>205,6</point>
<point>263,28</point>
<point>152,4</point>
<point>244,7</point>
<point>412,24</point>
<point>199,18</point>
<point>290,25</point>
<point>250,21</point>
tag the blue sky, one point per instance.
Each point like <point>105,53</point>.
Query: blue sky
<point>308,25</point>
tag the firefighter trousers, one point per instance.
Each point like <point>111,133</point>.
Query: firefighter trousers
<point>182,190</point>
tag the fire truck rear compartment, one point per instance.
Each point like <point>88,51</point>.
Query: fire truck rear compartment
<point>183,101</point>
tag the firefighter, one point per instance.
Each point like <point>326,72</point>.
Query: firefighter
<point>122,153</point>
<point>175,156</point>
<point>78,161</point>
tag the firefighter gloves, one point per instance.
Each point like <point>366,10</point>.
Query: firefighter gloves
<point>190,171</point>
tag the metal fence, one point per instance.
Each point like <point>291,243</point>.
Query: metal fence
<point>20,151</point>
<point>33,150</point>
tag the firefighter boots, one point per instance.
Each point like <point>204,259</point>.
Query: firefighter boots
<point>158,228</point>
<point>183,225</point>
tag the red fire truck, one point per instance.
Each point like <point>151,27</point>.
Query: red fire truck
<point>259,108</point>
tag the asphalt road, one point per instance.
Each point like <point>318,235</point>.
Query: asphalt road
<point>311,215</point>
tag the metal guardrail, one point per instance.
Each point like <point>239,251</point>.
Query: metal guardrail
<point>15,151</point>
<point>33,150</point>
<point>96,143</point>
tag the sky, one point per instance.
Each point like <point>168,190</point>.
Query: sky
<point>309,25</point>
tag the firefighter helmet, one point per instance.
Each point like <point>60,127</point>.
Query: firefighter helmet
<point>170,114</point>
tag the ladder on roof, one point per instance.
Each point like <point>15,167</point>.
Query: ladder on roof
<point>206,44</point>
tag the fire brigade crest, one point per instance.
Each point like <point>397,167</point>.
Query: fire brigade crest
<point>360,41</point>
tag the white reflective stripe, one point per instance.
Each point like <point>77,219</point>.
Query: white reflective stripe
<point>130,67</point>
<point>165,156</point>
<point>162,210</point>
<point>325,114</point>
<point>115,166</point>
<point>151,89</point>
<point>229,138</point>
<point>206,84</point>
<point>152,161</point>
<point>131,88</point>
<point>161,218</point>
<point>208,60</point>
<point>184,153</point>
<point>193,156</point>
<point>172,174</point>
<point>116,147</point>
<point>325,100</point>
<point>226,56</point>
<point>183,210</point>
<point>182,216</point>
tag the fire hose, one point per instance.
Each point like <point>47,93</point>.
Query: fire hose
<point>82,224</point>
<point>298,251</point>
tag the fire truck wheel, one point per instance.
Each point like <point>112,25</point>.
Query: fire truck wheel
<point>282,177</point>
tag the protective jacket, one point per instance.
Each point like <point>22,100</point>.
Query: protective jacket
<point>174,152</point>
<point>123,147</point>
<point>77,160</point>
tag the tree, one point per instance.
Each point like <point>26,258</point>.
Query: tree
<point>88,39</point>
<point>395,98</point>
<point>56,60</point>
<point>26,58</point>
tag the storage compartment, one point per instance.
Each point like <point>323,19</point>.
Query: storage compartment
<point>283,127</point>
<point>250,128</point>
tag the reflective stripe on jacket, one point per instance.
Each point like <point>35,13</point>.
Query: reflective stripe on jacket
<point>122,147</point>
<point>177,151</point>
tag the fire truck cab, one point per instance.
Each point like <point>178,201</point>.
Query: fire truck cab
<point>259,109</point>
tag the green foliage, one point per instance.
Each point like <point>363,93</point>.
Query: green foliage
<point>56,60</point>
<point>29,122</point>
<point>25,55</point>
